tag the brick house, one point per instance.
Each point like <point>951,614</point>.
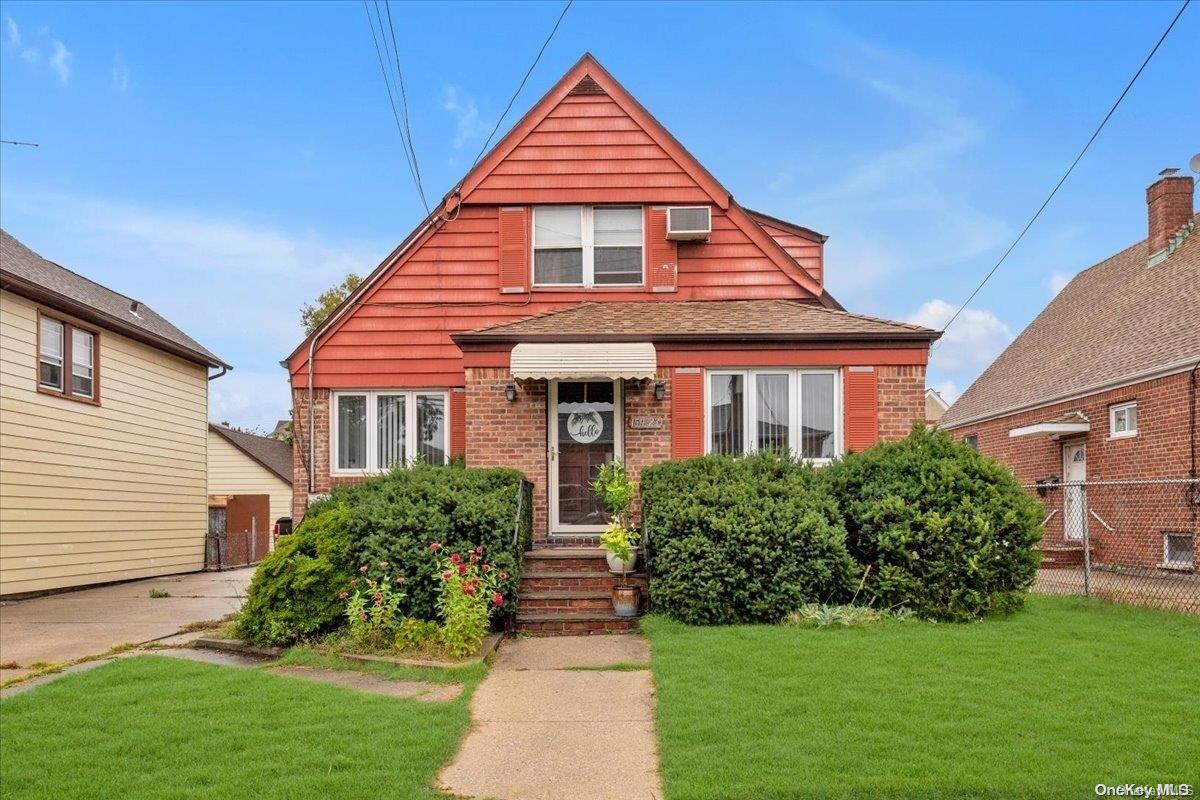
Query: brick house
<point>1102,387</point>
<point>588,292</point>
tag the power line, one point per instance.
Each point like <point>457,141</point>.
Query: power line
<point>22,144</point>
<point>528,72</point>
<point>1070,169</point>
<point>412,148</point>
<point>392,98</point>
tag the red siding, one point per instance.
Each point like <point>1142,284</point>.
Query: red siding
<point>662,255</point>
<point>806,252</point>
<point>687,413</point>
<point>514,249</point>
<point>861,408</point>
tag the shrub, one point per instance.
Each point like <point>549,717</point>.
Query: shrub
<point>945,531</point>
<point>741,540</point>
<point>391,518</point>
<point>294,592</point>
<point>820,615</point>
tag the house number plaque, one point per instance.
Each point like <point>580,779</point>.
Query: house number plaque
<point>645,423</point>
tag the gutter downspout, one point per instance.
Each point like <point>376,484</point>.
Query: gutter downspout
<point>312,354</point>
<point>224,370</point>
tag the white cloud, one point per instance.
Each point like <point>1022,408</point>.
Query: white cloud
<point>947,389</point>
<point>1057,282</point>
<point>120,73</point>
<point>60,61</point>
<point>975,338</point>
<point>466,114</point>
<point>250,399</point>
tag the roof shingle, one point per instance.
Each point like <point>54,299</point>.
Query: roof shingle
<point>22,270</point>
<point>1118,319</point>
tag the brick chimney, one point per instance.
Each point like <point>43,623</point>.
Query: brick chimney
<point>1169,204</point>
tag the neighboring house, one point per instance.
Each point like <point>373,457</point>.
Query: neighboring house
<point>241,463</point>
<point>935,407</point>
<point>282,431</point>
<point>589,291</point>
<point>103,432</point>
<point>1102,386</point>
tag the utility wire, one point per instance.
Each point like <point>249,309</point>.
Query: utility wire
<point>412,148</point>
<point>1070,169</point>
<point>528,72</point>
<point>392,98</point>
<point>22,144</point>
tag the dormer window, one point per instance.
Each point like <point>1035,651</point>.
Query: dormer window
<point>587,246</point>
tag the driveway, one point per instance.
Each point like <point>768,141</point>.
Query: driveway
<point>71,625</point>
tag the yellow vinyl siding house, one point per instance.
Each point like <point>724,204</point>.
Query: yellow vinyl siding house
<point>103,433</point>
<point>241,463</point>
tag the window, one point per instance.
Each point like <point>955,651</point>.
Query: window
<point>587,246</point>
<point>1179,550</point>
<point>971,440</point>
<point>1122,420</point>
<point>377,431</point>
<point>792,411</point>
<point>61,344</point>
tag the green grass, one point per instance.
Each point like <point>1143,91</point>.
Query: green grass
<point>153,727</point>
<point>1044,704</point>
<point>620,666</point>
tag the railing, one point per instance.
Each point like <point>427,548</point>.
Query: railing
<point>523,520</point>
<point>1129,541</point>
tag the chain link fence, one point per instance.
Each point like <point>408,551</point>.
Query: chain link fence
<point>1130,542</point>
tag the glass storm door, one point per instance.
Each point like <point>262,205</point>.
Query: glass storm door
<point>585,432</point>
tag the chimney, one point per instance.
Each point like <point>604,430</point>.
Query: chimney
<point>1169,205</point>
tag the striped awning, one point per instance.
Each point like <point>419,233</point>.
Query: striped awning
<point>582,361</point>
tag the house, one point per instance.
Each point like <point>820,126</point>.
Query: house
<point>1102,388</point>
<point>935,407</point>
<point>253,473</point>
<point>103,441</point>
<point>590,291</point>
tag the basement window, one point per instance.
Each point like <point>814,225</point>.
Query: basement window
<point>1179,550</point>
<point>1122,420</point>
<point>587,246</point>
<point>377,431</point>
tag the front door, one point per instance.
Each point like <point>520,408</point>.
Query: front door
<point>1074,495</point>
<point>585,432</point>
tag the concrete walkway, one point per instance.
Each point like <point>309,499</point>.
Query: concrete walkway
<point>71,625</point>
<point>542,731</point>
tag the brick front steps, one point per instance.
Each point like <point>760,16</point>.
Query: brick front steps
<point>568,591</point>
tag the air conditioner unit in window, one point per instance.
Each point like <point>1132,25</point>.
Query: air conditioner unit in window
<point>689,223</point>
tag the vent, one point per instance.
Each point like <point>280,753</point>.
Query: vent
<point>689,223</point>
<point>587,86</point>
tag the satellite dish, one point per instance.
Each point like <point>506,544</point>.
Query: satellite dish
<point>1195,163</point>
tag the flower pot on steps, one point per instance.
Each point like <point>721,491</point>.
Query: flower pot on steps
<point>625,600</point>
<point>619,567</point>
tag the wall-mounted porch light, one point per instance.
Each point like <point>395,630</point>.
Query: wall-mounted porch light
<point>510,392</point>
<point>660,390</point>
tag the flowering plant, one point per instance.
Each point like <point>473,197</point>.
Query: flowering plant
<point>619,540</point>
<point>468,593</point>
<point>371,605</point>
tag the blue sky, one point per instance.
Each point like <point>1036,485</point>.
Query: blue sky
<point>225,162</point>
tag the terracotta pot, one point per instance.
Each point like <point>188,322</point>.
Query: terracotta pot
<point>619,567</point>
<point>625,600</point>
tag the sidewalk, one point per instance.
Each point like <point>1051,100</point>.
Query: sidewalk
<point>542,731</point>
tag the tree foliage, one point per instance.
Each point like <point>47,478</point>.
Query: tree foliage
<point>313,314</point>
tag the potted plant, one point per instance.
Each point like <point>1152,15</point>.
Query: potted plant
<point>614,488</point>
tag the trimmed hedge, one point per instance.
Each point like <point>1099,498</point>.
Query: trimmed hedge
<point>947,532</point>
<point>391,518</point>
<point>741,540</point>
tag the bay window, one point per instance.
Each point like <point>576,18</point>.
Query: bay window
<point>587,246</point>
<point>375,431</point>
<point>67,359</point>
<point>795,411</point>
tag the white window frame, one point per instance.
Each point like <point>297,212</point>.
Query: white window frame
<point>1113,433</point>
<point>750,382</point>
<point>587,232</point>
<point>1167,562</point>
<point>410,426</point>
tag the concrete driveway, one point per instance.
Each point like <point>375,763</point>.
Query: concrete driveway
<point>71,625</point>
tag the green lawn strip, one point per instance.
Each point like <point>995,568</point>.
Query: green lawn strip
<point>1045,704</point>
<point>152,727</point>
<point>622,666</point>
<point>301,656</point>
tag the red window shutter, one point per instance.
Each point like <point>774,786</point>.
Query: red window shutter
<point>458,422</point>
<point>687,413</point>
<point>862,408</point>
<point>514,249</point>
<point>662,256</point>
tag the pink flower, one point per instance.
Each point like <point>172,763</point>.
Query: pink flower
<point>400,580</point>
<point>383,564</point>
<point>479,550</point>
<point>462,569</point>
<point>487,567</point>
<point>363,568</point>
<point>343,595</point>
<point>435,546</point>
<point>456,558</point>
<point>447,575</point>
<point>503,576</point>
<point>497,599</point>
<point>354,581</point>
<point>468,589</point>
<point>474,558</point>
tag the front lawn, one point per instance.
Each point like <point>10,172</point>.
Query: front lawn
<point>1045,704</point>
<point>152,727</point>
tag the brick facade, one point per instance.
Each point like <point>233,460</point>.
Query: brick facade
<point>1138,515</point>
<point>901,400</point>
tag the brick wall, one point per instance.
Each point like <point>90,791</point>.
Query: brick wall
<point>901,400</point>
<point>648,446</point>
<point>301,449</point>
<point>1138,514</point>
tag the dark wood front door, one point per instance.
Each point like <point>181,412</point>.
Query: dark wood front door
<point>585,433</point>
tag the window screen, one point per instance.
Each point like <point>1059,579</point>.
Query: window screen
<point>558,245</point>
